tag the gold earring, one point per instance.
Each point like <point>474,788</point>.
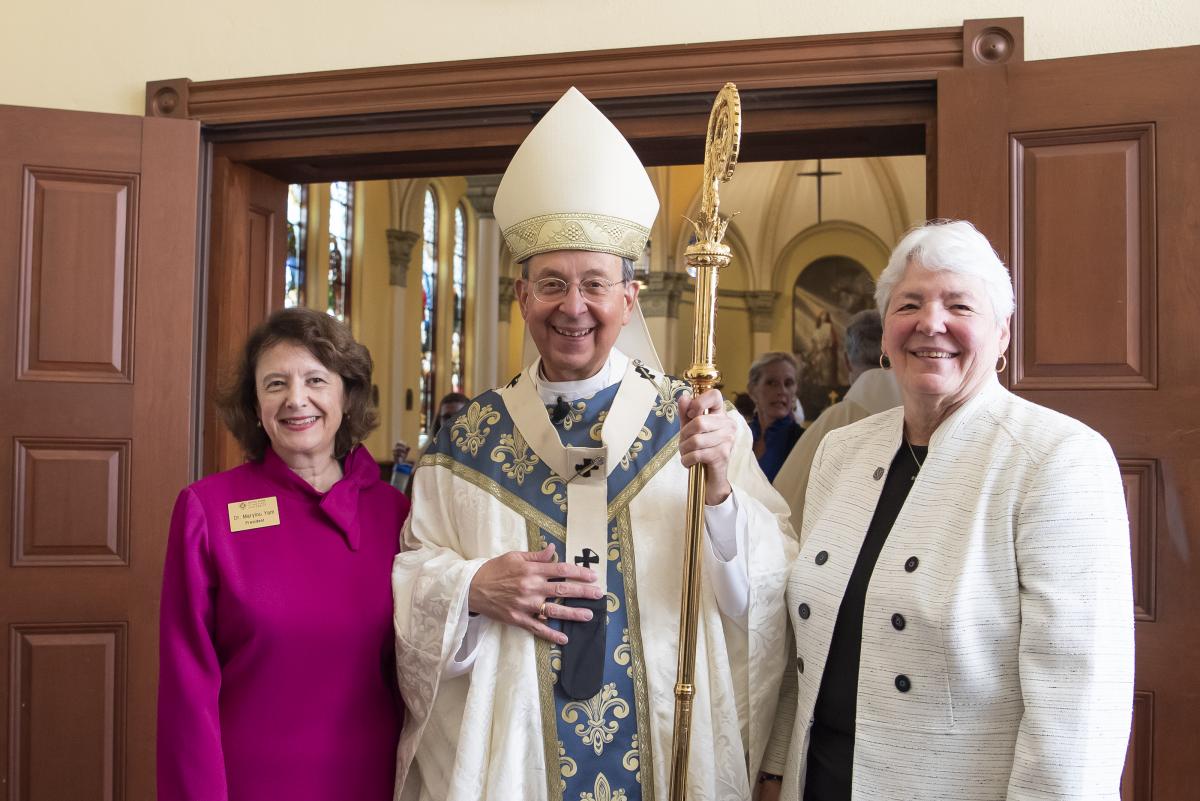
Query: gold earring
<point>1003,363</point>
<point>884,362</point>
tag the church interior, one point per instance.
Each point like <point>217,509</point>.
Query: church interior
<point>236,158</point>
<point>418,270</point>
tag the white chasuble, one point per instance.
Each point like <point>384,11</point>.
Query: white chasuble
<point>500,479</point>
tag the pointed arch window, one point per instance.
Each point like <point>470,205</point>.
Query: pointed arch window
<point>341,236</point>
<point>429,257</point>
<point>458,330</point>
<point>294,273</point>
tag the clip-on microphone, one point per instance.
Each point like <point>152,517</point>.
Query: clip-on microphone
<point>560,411</point>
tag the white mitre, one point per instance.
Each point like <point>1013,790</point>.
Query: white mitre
<point>576,184</point>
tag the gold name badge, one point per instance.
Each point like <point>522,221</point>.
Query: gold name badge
<point>258,513</point>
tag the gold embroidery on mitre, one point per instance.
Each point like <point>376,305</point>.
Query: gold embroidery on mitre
<point>576,231</point>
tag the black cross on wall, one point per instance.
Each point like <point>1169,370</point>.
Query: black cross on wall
<point>820,175</point>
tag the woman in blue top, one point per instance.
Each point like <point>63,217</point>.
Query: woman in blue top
<point>773,379</point>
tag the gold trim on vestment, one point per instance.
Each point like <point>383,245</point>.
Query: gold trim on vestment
<point>665,454</point>
<point>531,512</point>
<point>545,680</point>
<point>641,693</point>
<point>491,487</point>
<point>580,230</point>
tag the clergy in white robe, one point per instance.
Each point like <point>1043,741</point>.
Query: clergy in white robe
<point>577,471</point>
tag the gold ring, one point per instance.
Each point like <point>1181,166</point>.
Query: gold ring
<point>541,615</point>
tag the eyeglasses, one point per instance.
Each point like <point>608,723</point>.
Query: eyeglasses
<point>553,290</point>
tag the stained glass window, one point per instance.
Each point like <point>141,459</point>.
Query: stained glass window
<point>294,263</point>
<point>429,257</point>
<point>341,234</point>
<point>457,345</point>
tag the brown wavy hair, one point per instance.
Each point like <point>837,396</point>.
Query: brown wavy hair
<point>333,346</point>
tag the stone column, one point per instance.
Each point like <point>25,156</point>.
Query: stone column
<point>659,297</point>
<point>400,248</point>
<point>761,306</point>
<point>506,293</point>
<point>484,361</point>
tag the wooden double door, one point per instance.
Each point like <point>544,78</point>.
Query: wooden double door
<point>1085,173</point>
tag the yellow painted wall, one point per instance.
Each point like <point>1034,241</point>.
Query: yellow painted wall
<point>371,295</point>
<point>98,56</point>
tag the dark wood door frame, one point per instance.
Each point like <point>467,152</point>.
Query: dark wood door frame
<point>846,95</point>
<point>868,93</point>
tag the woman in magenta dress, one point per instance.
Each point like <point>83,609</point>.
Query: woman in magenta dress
<point>277,675</point>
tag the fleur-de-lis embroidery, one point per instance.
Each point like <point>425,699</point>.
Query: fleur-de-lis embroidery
<point>471,430</point>
<point>623,655</point>
<point>523,460</point>
<point>555,662</point>
<point>668,389</point>
<point>566,766</point>
<point>632,760</point>
<point>594,431</point>
<point>551,487</point>
<point>602,791</point>
<point>596,730</point>
<point>642,436</point>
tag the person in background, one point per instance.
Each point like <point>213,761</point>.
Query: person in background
<point>772,386</point>
<point>744,405</point>
<point>872,390</point>
<point>276,659</point>
<point>962,603</point>
<point>451,406</point>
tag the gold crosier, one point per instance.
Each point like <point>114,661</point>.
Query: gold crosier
<point>704,258</point>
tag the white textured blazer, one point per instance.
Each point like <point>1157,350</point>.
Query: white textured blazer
<point>1009,564</point>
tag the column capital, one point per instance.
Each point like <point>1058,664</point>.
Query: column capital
<point>507,294</point>
<point>761,306</point>
<point>481,193</point>
<point>400,248</point>
<point>661,292</point>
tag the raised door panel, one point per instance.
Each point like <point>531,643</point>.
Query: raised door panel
<point>1083,248</point>
<point>68,693</point>
<point>98,276</point>
<point>1083,173</point>
<point>249,243</point>
<point>79,231</point>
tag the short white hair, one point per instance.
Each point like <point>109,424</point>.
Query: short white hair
<point>955,246</point>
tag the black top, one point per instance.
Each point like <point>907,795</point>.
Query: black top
<point>831,744</point>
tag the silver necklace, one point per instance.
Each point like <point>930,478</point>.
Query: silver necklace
<point>920,464</point>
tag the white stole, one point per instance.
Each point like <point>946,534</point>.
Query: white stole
<point>584,469</point>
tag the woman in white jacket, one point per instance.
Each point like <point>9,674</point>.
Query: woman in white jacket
<point>962,604</point>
